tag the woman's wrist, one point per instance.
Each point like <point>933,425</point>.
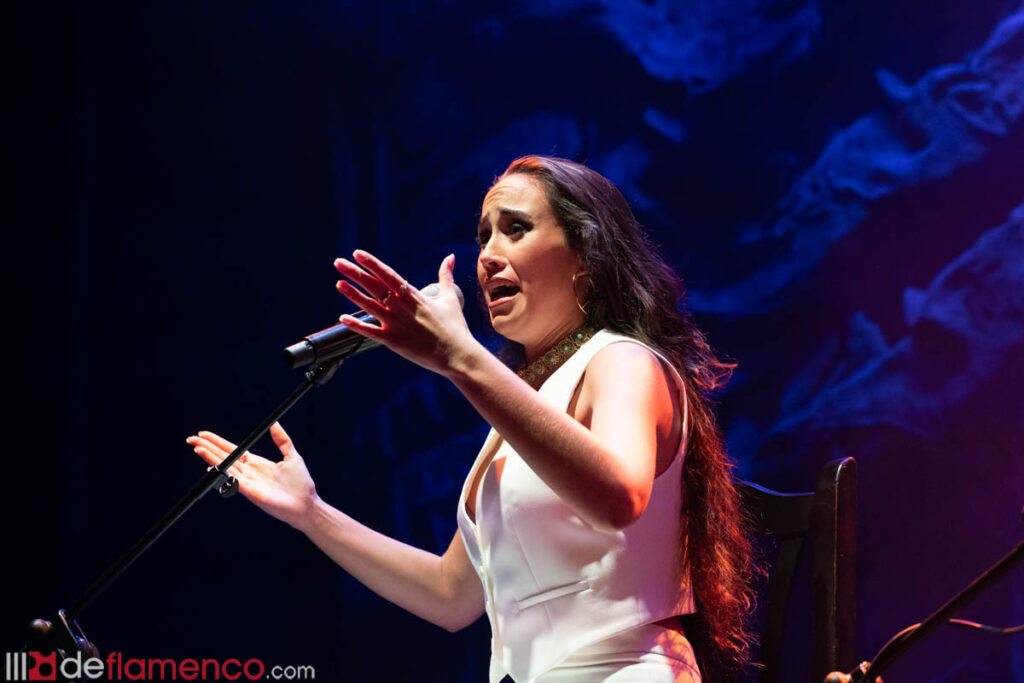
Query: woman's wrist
<point>465,360</point>
<point>315,512</point>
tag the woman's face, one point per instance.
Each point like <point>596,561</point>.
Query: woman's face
<point>526,266</point>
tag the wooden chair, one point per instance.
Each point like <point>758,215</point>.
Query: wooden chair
<point>827,516</point>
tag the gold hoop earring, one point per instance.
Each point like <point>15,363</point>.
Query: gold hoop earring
<point>575,295</point>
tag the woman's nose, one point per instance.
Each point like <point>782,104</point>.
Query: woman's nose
<point>492,257</point>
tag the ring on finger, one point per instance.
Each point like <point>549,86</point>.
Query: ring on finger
<point>404,288</point>
<point>387,297</point>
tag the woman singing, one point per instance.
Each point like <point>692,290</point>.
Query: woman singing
<point>600,507</point>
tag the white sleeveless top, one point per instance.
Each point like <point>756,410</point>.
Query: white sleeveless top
<point>553,583</point>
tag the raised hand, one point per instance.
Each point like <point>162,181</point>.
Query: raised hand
<point>429,331</point>
<point>282,489</point>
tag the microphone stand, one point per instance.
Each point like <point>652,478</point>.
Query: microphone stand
<point>900,644</point>
<point>62,634</point>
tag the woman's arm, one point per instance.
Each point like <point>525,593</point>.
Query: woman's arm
<point>444,590</point>
<point>602,460</point>
<point>603,467</point>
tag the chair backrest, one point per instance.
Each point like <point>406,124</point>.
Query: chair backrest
<point>828,517</point>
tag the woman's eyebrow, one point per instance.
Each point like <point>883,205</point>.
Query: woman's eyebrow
<point>515,213</point>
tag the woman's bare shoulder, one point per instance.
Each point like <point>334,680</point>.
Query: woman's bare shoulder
<point>626,366</point>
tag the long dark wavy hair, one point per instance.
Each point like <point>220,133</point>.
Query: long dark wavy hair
<point>634,292</point>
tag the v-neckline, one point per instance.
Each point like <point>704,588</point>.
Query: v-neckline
<point>487,456</point>
<point>495,442</point>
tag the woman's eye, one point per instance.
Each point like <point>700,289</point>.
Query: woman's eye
<point>512,229</point>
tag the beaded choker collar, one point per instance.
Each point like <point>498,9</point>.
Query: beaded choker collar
<point>536,372</point>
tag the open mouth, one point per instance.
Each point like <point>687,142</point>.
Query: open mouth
<point>502,293</point>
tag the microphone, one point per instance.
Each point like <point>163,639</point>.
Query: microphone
<point>340,341</point>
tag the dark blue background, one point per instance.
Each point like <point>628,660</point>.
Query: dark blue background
<point>839,184</point>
